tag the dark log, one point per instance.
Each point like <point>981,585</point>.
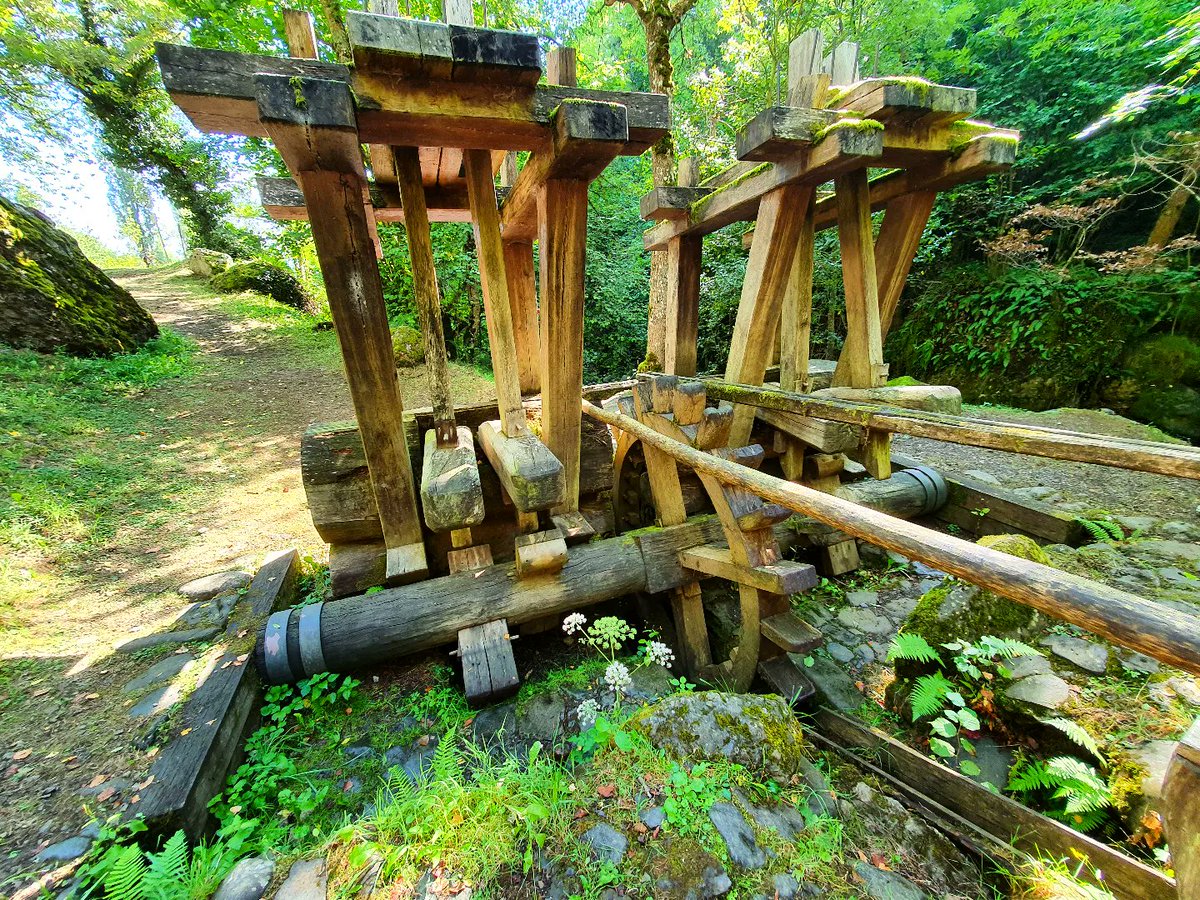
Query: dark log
<point>1181,811</point>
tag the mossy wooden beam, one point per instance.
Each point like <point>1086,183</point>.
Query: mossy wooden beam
<point>670,202</point>
<point>283,201</point>
<point>777,133</point>
<point>906,100</point>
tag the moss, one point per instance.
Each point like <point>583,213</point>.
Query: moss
<point>266,278</point>
<point>651,363</point>
<point>297,84</point>
<point>1125,777</point>
<point>851,124</point>
<point>407,346</point>
<point>697,209</point>
<point>904,381</point>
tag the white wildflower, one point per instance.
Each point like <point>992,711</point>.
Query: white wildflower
<point>574,622</point>
<point>659,653</point>
<point>617,676</point>
<point>586,712</point>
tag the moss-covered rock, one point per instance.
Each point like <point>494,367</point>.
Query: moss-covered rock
<point>758,732</point>
<point>407,346</point>
<point>1165,359</point>
<point>265,278</point>
<point>207,263</point>
<point>1175,409</point>
<point>53,298</point>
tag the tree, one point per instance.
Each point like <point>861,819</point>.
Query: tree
<point>56,56</point>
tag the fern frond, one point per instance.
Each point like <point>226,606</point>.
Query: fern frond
<point>909,646</point>
<point>1076,733</point>
<point>169,867</point>
<point>1032,776</point>
<point>929,695</point>
<point>1008,648</point>
<point>445,766</point>
<point>126,880</point>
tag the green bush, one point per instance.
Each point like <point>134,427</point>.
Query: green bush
<point>1165,359</point>
<point>407,346</point>
<point>265,278</point>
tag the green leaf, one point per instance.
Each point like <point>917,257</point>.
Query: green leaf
<point>941,748</point>
<point>942,727</point>
<point>956,698</point>
<point>929,694</point>
<point>912,647</point>
<point>968,768</point>
<point>968,720</point>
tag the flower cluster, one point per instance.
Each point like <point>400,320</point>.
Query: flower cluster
<point>574,622</point>
<point>617,676</point>
<point>659,653</point>
<point>586,712</point>
<point>609,633</point>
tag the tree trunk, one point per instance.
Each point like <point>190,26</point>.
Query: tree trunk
<point>1172,211</point>
<point>335,18</point>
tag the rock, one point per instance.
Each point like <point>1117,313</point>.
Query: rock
<point>785,820</point>
<point>1134,524</point>
<point>307,880</point>
<point>158,700</point>
<point>1045,494</point>
<point>1047,691</point>
<point>247,880</point>
<point>865,653</point>
<point>1175,409</point>
<point>1181,531</point>
<point>211,613</point>
<point>653,817</point>
<point>862,598</point>
<point>758,732</point>
<point>1083,654</point>
<point>982,475</point>
<point>163,670</point>
<point>834,687</point>
<point>265,278</point>
<point>714,882</point>
<point>358,753</point>
<point>201,589</point>
<point>150,641</point>
<point>1175,576</point>
<point>1156,757</point>
<point>1139,662</point>
<point>840,653</point>
<point>1166,551</point>
<point>1186,688</point>
<point>608,844</point>
<point>786,886</point>
<point>900,608</point>
<point>115,784</point>
<point>881,885</point>
<point>65,851</point>
<point>52,298</point>
<point>491,723</point>
<point>994,761</point>
<point>541,718</point>
<point>738,836</point>
<point>407,346</point>
<point>207,263</point>
<point>1024,666</point>
<point>649,683</point>
<point>864,621</point>
<point>413,762</point>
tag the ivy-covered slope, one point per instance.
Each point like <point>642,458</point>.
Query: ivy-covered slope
<point>53,298</point>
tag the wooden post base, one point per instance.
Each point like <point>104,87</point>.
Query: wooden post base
<point>489,670</point>
<point>532,476</point>
<point>451,494</point>
<point>541,553</point>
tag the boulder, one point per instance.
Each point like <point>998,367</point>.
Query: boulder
<point>209,586</point>
<point>266,278</point>
<point>1175,409</point>
<point>53,298</point>
<point>247,880</point>
<point>207,263</point>
<point>758,732</point>
<point>407,346</point>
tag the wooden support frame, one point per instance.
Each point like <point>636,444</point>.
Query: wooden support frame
<point>312,124</point>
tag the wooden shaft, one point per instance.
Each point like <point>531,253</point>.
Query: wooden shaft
<point>522,298</point>
<point>1123,618</point>
<point>1032,440</point>
<point>496,302</point>
<point>865,363</point>
<point>299,33</point>
<point>425,288</point>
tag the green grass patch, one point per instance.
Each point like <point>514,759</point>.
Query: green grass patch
<point>306,334</point>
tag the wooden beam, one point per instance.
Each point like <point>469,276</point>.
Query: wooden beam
<point>670,202</point>
<point>783,577</point>
<point>522,298</point>
<point>1182,812</point>
<point>312,125</point>
<point>683,304</point>
<point>1145,456</point>
<point>862,289</point>
<point>283,200</point>
<point>214,89</point>
<point>587,137</point>
<point>562,242</point>
<point>1148,627</point>
<point>780,131</point>
<point>908,101</point>
<point>299,33</point>
<point>767,272</point>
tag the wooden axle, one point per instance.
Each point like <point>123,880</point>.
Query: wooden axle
<point>1143,456</point>
<point>1126,619</point>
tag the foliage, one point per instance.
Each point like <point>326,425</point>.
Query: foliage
<point>1068,789</point>
<point>265,278</point>
<point>1101,530</point>
<point>690,791</point>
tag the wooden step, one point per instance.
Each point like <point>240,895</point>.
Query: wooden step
<point>785,678</point>
<point>489,670</point>
<point>574,527</point>
<point>789,631</point>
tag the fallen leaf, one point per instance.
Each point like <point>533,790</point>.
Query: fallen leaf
<point>145,784</point>
<point>640,827</point>
<point>606,790</point>
<point>105,795</point>
<point>97,781</point>
<point>879,862</point>
<point>22,754</point>
<point>581,813</point>
<point>135,798</point>
<point>185,731</point>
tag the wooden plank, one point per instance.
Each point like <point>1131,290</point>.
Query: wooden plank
<point>532,476</point>
<point>522,298</point>
<point>299,33</point>
<point>540,553</point>
<point>820,434</point>
<point>683,304</point>
<point>574,527</point>
<point>779,132</point>
<point>586,138</point>
<point>562,243</point>
<point>561,66</point>
<point>214,89</point>
<point>908,100</point>
<point>317,140</point>
<point>497,305</point>
<point>428,301</point>
<point>489,670</point>
<point>998,815</point>
<point>780,216</point>
<point>210,728</point>
<point>796,322</point>
<point>1166,634</point>
<point>451,495</point>
<point>786,680</point>
<point>783,577</point>
<point>469,559</point>
<point>356,566</point>
<point>791,633</point>
<point>842,63</point>
<point>865,364</point>
<point>1182,812</point>
<point>283,200</point>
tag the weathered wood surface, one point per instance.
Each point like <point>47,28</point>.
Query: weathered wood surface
<point>540,553</point>
<point>522,299</point>
<point>683,305</point>
<point>532,476</point>
<point>282,200</point>
<point>489,670</point>
<point>1181,811</point>
<point>1121,617</point>
<point>670,202</point>
<point>778,132</point>
<point>782,577</point>
<point>864,363</point>
<point>299,34</point>
<point>785,679</point>
<point>214,89</point>
<point>791,633</point>
<point>451,494</point>
<point>356,566</point>
<point>908,100</point>
<point>927,397</point>
<point>1146,456</point>
<point>820,434</point>
<point>998,815</point>
<point>209,731</point>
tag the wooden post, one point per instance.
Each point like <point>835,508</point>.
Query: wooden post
<point>683,289</point>
<point>300,34</point>
<point>1182,811</point>
<point>562,239</point>
<point>458,12</point>
<point>561,66</point>
<point>312,123</point>
<point>522,298</point>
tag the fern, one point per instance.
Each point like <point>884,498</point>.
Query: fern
<point>126,880</point>
<point>1077,795</point>
<point>912,647</point>
<point>1076,733</point>
<point>1101,530</point>
<point>1006,648</point>
<point>446,766</point>
<point>929,694</point>
<point>168,868</point>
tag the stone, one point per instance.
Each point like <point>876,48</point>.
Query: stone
<point>150,641</point>
<point>1024,666</point>
<point>209,586</point>
<point>65,851</point>
<point>649,683</point>
<point>715,882</point>
<point>839,652</point>
<point>738,836</point>
<point>653,817</point>
<point>881,885</point>
<point>163,670</point>
<point>862,598</point>
<point>1186,688</point>
<point>413,762</point>
<point>115,784</point>
<point>541,718</point>
<point>495,721</point>
<point>207,263</point>
<point>983,475</point>
<point>758,732</point>
<point>994,761</point>
<point>864,621</point>
<point>264,278</point>
<point>608,844</point>
<point>901,607</point>
<point>865,653</point>
<point>786,886</point>
<point>1182,531</point>
<point>158,700</point>
<point>1080,653</point>
<point>247,880</point>
<point>307,880</point>
<point>1174,408</point>
<point>211,613</point>
<point>1176,576</point>
<point>1156,757</point>
<point>358,753</point>
<point>834,687</point>
<point>1135,524</point>
<point>785,820</point>
<point>1047,691</point>
<point>1139,662</point>
<point>52,298</point>
<point>1044,494</point>
<point>1181,553</point>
